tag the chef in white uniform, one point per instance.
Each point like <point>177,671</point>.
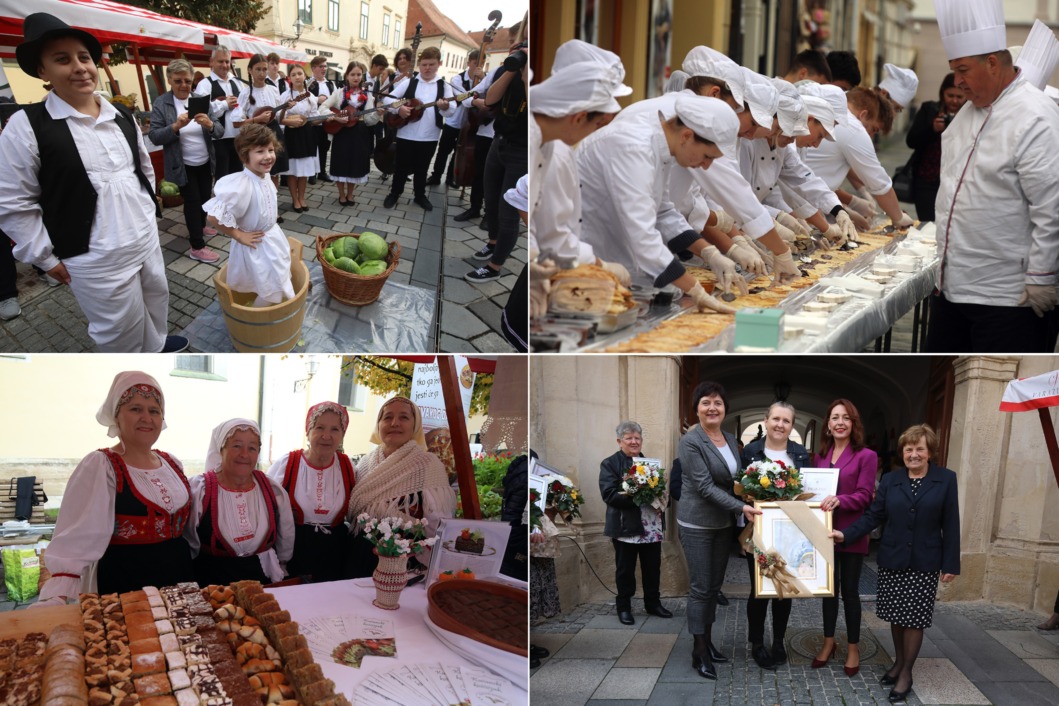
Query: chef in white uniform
<point>998,204</point>
<point>900,86</point>
<point>628,216</point>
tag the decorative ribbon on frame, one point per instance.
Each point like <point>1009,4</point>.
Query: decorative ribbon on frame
<point>775,567</point>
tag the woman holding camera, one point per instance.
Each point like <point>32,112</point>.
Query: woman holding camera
<point>925,138</point>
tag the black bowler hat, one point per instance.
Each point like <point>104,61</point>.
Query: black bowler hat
<point>39,28</point>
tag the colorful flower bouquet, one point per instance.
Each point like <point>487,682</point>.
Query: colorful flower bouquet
<point>769,481</point>
<point>645,483</point>
<point>394,536</point>
<point>565,499</point>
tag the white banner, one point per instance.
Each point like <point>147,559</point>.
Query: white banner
<point>1032,393</point>
<point>426,392</point>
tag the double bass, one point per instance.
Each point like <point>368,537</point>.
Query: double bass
<point>463,170</point>
<point>385,155</point>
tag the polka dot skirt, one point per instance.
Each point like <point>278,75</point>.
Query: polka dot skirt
<point>906,596</point>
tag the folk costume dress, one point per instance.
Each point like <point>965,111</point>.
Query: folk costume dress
<point>303,159</point>
<point>238,535</point>
<point>351,147</point>
<point>248,202</point>
<point>252,99</point>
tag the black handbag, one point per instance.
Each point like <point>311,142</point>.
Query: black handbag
<point>903,179</point>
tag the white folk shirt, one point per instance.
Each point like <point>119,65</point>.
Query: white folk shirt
<point>769,169</point>
<point>124,231</point>
<point>697,191</point>
<point>852,149</point>
<point>320,492</point>
<point>264,97</point>
<point>86,521</point>
<point>1002,232</point>
<point>424,129</point>
<point>242,519</point>
<point>192,143</point>
<point>486,129</point>
<point>231,87</point>
<point>627,214</point>
<point>459,116</point>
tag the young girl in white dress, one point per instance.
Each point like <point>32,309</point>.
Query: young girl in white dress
<point>244,208</point>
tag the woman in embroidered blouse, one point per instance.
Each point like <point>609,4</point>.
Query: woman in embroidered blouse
<point>351,147</point>
<point>125,507</point>
<point>299,140</point>
<point>241,523</point>
<point>843,448</point>
<point>318,482</point>
<point>260,95</point>
<point>398,478</point>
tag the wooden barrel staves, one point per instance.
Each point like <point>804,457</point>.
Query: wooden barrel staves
<point>268,329</point>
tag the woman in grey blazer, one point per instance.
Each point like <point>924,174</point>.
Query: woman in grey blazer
<point>706,516</point>
<point>187,145</point>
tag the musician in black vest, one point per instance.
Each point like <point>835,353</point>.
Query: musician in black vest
<point>450,131</point>
<point>417,140</point>
<point>321,87</point>
<point>223,91</point>
<point>78,199</point>
<point>378,75</point>
<point>274,78</point>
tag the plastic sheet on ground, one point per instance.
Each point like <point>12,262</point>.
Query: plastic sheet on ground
<point>402,319</point>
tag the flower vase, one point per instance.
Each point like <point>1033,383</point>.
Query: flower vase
<point>390,577</point>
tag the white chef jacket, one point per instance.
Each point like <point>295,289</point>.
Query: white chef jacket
<point>628,217</point>
<point>556,223</point>
<point>232,87</point>
<point>1002,231</point>
<point>851,149</point>
<point>782,181</point>
<point>696,191</point>
<point>424,129</point>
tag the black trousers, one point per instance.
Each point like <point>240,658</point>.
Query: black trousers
<point>504,166</point>
<point>446,145</point>
<point>514,320</point>
<point>323,144</point>
<point>625,555</point>
<point>847,580</point>
<point>482,146</point>
<point>196,192</point>
<point>227,159</point>
<point>980,328</point>
<point>8,274</point>
<point>925,196</point>
<point>757,609</point>
<point>413,159</point>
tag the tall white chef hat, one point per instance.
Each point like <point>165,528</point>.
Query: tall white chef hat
<point>710,119</point>
<point>900,83</point>
<point>1039,56</point>
<point>676,81</point>
<point>821,110</point>
<point>704,61</point>
<point>971,27</point>
<point>792,113</point>
<point>581,86</point>
<point>761,96</point>
<point>834,96</point>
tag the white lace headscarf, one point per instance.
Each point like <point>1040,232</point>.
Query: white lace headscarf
<point>125,385</point>
<point>221,433</point>
<point>417,432</point>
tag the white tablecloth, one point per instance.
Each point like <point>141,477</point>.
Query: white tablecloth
<point>416,643</point>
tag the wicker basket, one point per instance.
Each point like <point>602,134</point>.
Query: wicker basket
<point>172,201</point>
<point>348,288</point>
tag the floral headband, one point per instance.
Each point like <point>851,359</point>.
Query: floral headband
<point>142,390</point>
<point>316,411</point>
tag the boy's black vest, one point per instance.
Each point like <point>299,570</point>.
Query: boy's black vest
<point>67,198</point>
<point>410,92</point>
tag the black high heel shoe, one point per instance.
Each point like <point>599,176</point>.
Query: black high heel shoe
<point>716,655</point>
<point>886,679</point>
<point>705,666</point>
<point>898,696</point>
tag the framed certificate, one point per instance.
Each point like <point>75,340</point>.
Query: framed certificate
<point>804,561</point>
<point>821,482</point>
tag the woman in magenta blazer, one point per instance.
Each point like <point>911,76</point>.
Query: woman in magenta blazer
<point>843,448</point>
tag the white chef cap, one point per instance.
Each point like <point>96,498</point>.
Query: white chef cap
<point>1039,56</point>
<point>792,113</point>
<point>518,197</point>
<point>900,83</point>
<point>676,81</point>
<point>821,110</point>
<point>761,96</point>
<point>704,61</point>
<point>971,27</point>
<point>710,119</point>
<point>582,86</point>
<point>123,382</point>
<point>220,435</point>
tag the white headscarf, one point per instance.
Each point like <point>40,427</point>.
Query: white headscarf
<point>417,432</point>
<point>220,436</point>
<point>107,414</point>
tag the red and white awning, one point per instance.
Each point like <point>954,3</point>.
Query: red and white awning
<point>1027,394</point>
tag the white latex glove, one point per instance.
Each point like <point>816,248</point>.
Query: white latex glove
<point>805,225</point>
<point>835,235</point>
<point>723,269</point>
<point>1040,297</point>
<point>746,255</point>
<point>766,254</point>
<point>791,222</point>
<point>862,207</point>
<point>905,222</point>
<point>725,223</point>
<point>843,221</point>
<point>786,233</point>
<point>540,284</point>
<point>785,269</point>
<point>618,270</point>
<point>704,301</point>
<point>867,196</point>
